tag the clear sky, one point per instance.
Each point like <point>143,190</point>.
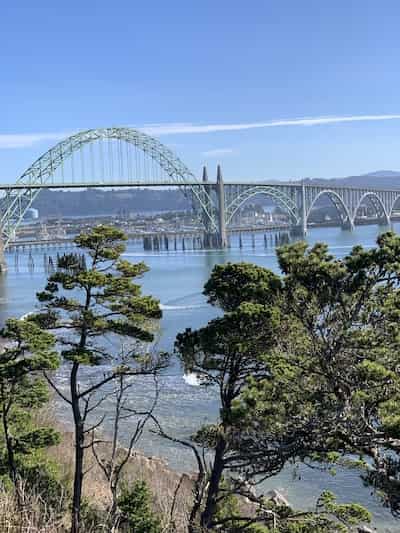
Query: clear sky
<point>224,81</point>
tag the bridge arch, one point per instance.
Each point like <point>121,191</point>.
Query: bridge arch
<point>337,201</point>
<point>396,199</point>
<point>284,201</point>
<point>377,204</point>
<point>43,169</point>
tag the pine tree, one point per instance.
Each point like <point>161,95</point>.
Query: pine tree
<point>27,352</point>
<point>305,365</point>
<point>135,505</point>
<point>84,301</point>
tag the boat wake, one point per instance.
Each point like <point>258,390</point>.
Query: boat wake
<point>192,379</point>
<point>165,307</point>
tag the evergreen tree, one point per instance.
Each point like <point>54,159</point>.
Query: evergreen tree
<point>83,302</point>
<point>306,366</point>
<point>233,353</point>
<point>344,360</point>
<point>135,505</point>
<point>27,352</point>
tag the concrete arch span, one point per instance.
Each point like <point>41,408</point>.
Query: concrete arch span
<point>284,201</point>
<point>341,208</point>
<point>395,201</point>
<point>377,204</point>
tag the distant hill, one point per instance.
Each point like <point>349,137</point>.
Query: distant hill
<point>384,173</point>
<point>108,202</point>
<point>382,179</point>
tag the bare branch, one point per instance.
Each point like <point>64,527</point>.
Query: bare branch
<point>56,389</point>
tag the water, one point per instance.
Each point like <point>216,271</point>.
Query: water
<point>177,278</point>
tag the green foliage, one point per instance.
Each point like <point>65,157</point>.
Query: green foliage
<point>104,299</point>
<point>348,514</point>
<point>306,365</point>
<point>257,528</point>
<point>136,507</point>
<point>28,351</point>
<point>228,509</point>
<point>93,519</point>
<point>42,476</point>
<point>328,517</point>
<point>234,283</point>
<point>334,372</point>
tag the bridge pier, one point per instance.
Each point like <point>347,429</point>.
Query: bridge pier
<point>223,237</point>
<point>300,229</point>
<point>3,263</point>
<point>348,225</point>
<point>384,220</point>
<point>209,235</point>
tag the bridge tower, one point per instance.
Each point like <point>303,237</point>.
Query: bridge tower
<point>303,211</point>
<point>208,233</point>
<point>300,228</point>
<point>223,239</point>
<point>3,264</point>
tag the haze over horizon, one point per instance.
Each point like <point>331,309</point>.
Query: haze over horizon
<point>278,107</point>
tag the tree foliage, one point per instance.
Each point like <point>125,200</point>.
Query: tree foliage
<point>27,352</point>
<point>136,507</point>
<point>329,516</point>
<point>346,353</point>
<point>306,365</point>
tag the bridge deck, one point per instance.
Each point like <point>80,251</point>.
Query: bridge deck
<point>149,184</point>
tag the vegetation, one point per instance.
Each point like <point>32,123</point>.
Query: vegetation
<point>265,419</point>
<point>28,351</point>
<point>100,202</point>
<point>135,505</point>
<point>227,353</point>
<point>345,354</point>
<point>83,303</point>
<point>305,365</point>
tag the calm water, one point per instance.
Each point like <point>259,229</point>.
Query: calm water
<point>177,278</point>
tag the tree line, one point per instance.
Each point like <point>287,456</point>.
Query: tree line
<point>100,202</point>
<point>304,364</point>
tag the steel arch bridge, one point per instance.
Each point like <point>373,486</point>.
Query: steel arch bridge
<point>156,165</point>
<point>126,157</point>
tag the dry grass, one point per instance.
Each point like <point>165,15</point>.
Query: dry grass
<point>170,489</point>
<point>36,515</point>
<point>172,492</point>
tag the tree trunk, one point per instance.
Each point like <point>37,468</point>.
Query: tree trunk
<point>198,491</point>
<point>213,487</point>
<point>12,468</point>
<point>114,508</point>
<point>79,452</point>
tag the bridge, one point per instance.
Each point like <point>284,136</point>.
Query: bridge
<point>126,157</point>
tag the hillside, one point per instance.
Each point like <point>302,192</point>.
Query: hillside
<point>383,179</point>
<point>112,202</point>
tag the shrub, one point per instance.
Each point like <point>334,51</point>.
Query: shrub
<point>136,509</point>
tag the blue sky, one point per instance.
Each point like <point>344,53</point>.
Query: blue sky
<point>254,69</point>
